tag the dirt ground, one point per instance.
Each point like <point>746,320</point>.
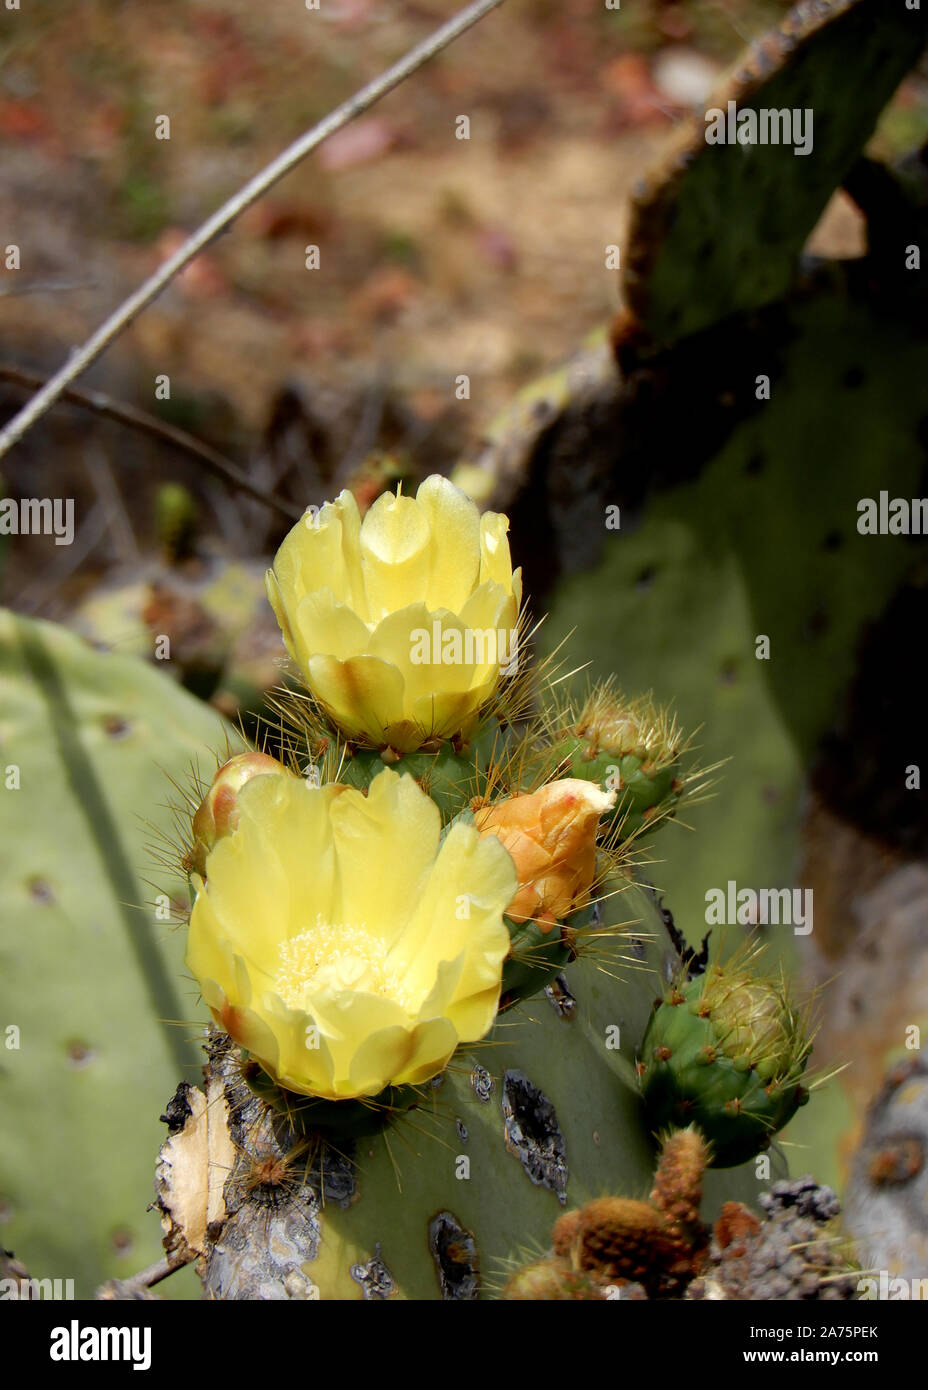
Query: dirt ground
<point>438,255</point>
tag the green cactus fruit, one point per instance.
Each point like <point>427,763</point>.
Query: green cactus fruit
<point>536,958</point>
<point>538,954</point>
<point>631,747</point>
<point>451,775</point>
<point>726,1051</point>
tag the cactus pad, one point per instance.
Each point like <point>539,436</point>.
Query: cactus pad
<point>717,230</point>
<point>104,1016</point>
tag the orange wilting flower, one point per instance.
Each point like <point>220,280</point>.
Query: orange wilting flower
<point>551,836</point>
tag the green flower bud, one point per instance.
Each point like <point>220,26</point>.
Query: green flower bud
<point>630,747</point>
<point>217,814</point>
<point>725,1051</point>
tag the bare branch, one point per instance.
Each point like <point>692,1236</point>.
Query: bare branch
<point>124,1289</point>
<point>140,420</point>
<point>256,187</point>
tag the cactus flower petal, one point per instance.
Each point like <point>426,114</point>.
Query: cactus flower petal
<point>340,940</point>
<point>351,597</point>
<point>551,836</point>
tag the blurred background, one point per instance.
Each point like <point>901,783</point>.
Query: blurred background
<point>439,258</point>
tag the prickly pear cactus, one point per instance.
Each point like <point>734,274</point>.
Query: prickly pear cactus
<point>455,1194</point>
<point>103,1017</point>
<point>687,267</point>
<point>434,1178</point>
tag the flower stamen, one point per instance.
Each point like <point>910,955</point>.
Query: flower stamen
<point>336,956</point>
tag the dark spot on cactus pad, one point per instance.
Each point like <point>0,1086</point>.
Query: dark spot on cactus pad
<point>454,1251</point>
<point>41,891</point>
<point>533,1135</point>
<point>755,464</point>
<point>333,1175</point>
<point>729,673</point>
<point>560,998</point>
<point>816,625</point>
<point>833,541</point>
<point>79,1054</point>
<point>645,579</point>
<point>853,378</point>
<point>482,1082</point>
<point>178,1111</point>
<point>375,1278</point>
<point>116,727</point>
<point>462,1130</point>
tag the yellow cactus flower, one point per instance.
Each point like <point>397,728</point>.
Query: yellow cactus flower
<point>401,624</point>
<point>551,836</point>
<point>340,943</point>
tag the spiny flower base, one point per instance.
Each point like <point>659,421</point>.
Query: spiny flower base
<point>333,1119</point>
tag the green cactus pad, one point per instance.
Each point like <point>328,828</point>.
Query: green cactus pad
<point>464,1187</point>
<point>717,229</point>
<point>89,973</point>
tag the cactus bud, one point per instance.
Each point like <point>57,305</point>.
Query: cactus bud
<point>217,814</point>
<point>632,749</point>
<point>725,1051</point>
<point>551,836</point>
